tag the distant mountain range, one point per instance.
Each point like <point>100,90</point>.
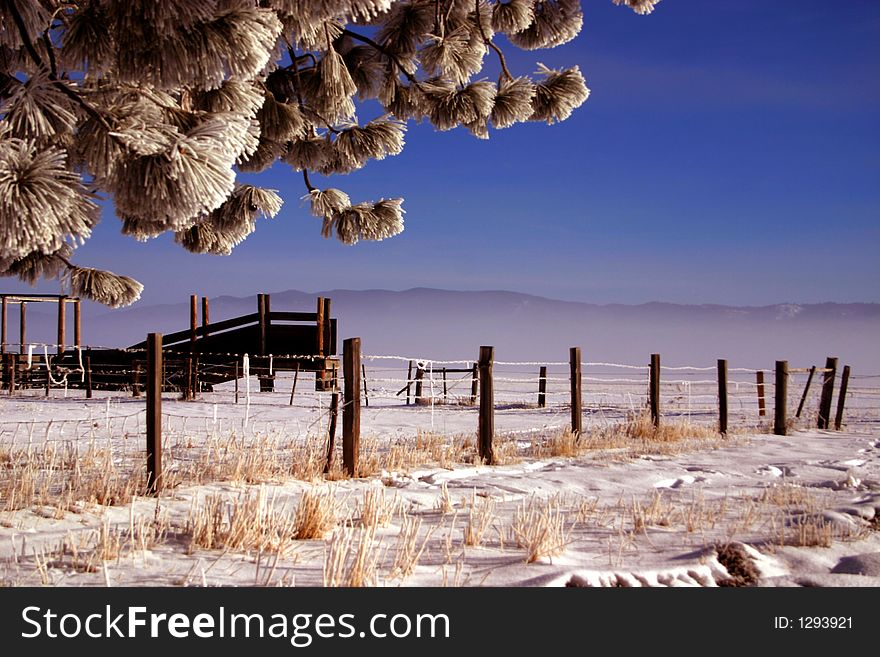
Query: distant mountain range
<point>442,324</point>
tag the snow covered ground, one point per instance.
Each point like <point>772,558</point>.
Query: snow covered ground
<point>616,510</point>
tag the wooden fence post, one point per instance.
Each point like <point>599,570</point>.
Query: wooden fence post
<point>366,392</point>
<point>444,385</point>
<point>328,325</point>
<point>722,396</point>
<point>293,387</point>
<point>262,318</point>
<point>331,431</point>
<point>420,373</point>
<point>236,379</point>
<point>206,319</point>
<point>22,327</point>
<point>574,362</point>
<point>6,368</point>
<point>88,377</point>
<point>188,386</point>
<point>408,381</point>
<point>486,422</point>
<point>351,410</point>
<point>264,312</point>
<point>320,347</point>
<point>759,379</point>
<point>136,381</point>
<point>542,387</point>
<point>841,398</point>
<point>13,365</point>
<point>62,323</point>
<point>781,416</point>
<point>474,385</point>
<point>77,324</point>
<point>654,389</point>
<point>827,393</point>
<point>3,317</point>
<point>806,391</point>
<point>154,412</point>
<point>195,383</point>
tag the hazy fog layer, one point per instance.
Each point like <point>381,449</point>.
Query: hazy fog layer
<point>442,324</point>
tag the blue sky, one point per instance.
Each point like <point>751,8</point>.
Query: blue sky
<point>729,153</point>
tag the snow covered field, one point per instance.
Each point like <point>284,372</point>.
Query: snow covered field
<point>620,508</point>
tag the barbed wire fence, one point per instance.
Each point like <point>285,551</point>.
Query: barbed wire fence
<point>91,412</point>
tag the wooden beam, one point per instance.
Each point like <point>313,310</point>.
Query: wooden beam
<point>351,411</point>
<point>182,336</point>
<point>154,412</point>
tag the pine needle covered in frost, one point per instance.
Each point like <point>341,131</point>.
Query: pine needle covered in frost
<point>513,16</point>
<point>42,202</point>
<point>513,102</point>
<point>643,7</point>
<point>558,94</point>
<point>366,221</point>
<point>232,222</point>
<point>556,22</point>
<point>104,287</point>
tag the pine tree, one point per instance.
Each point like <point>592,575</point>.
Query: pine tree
<point>157,104</point>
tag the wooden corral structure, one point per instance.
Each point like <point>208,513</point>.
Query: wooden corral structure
<point>201,356</point>
<point>22,300</point>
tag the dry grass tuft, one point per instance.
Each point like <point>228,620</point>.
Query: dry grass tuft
<point>408,549</point>
<point>539,527</point>
<point>248,522</point>
<point>655,513</point>
<point>377,510</point>
<point>351,557</point>
<point>480,517</point>
<point>316,514</point>
<point>444,502</point>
